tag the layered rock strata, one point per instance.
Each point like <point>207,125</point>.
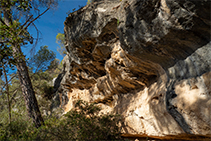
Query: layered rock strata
<point>148,60</point>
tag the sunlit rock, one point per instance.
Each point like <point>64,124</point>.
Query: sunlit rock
<point>148,60</point>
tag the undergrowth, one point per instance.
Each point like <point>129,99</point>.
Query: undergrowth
<point>81,123</point>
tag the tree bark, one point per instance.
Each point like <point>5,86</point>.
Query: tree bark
<point>27,88</point>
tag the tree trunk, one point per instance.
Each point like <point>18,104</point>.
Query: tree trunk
<point>27,89</point>
<point>25,81</point>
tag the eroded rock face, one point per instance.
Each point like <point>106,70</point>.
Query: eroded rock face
<point>148,60</point>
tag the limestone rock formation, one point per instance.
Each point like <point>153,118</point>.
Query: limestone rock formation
<point>148,60</point>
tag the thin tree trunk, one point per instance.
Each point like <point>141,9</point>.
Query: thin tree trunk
<point>8,94</point>
<point>27,89</point>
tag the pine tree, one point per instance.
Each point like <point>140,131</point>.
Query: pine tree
<point>14,35</point>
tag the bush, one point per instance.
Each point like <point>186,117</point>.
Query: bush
<point>16,130</point>
<point>81,123</point>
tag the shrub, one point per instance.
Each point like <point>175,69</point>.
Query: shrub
<point>81,123</point>
<point>16,130</point>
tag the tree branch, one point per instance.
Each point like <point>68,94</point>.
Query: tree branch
<point>36,42</point>
<point>26,21</point>
<point>31,21</point>
<point>14,94</point>
<point>36,18</point>
<point>3,22</point>
<point>9,81</point>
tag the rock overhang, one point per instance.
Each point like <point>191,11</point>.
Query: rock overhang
<point>122,51</point>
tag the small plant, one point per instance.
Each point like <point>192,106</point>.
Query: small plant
<point>117,22</point>
<point>89,2</point>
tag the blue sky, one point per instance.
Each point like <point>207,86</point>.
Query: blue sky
<point>51,23</point>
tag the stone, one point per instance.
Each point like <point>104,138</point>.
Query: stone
<point>148,60</point>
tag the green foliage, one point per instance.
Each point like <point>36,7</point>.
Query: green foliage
<point>20,122</point>
<point>47,90</point>
<point>81,123</point>
<point>9,36</point>
<point>14,33</point>
<point>42,82</point>
<point>24,5</point>
<point>117,22</point>
<point>42,59</point>
<point>89,2</point>
<point>15,130</point>
<point>1,85</point>
<point>16,17</point>
<point>44,67</point>
<point>60,40</point>
<point>6,55</point>
<point>54,64</point>
<point>43,88</point>
<point>44,94</point>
